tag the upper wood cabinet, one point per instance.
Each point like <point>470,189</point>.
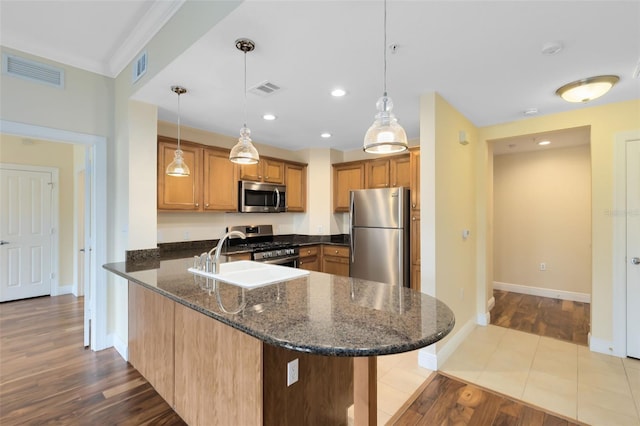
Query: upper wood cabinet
<point>389,172</point>
<point>211,186</point>
<point>415,177</point>
<point>179,193</point>
<point>346,176</point>
<point>295,178</point>
<point>266,170</point>
<point>220,181</point>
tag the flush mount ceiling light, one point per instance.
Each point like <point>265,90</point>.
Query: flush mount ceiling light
<point>385,136</point>
<point>244,152</point>
<point>178,167</point>
<point>587,89</point>
<point>543,143</point>
<point>269,117</point>
<point>337,93</point>
<point>325,135</point>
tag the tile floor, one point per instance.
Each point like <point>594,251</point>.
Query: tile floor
<point>557,376</point>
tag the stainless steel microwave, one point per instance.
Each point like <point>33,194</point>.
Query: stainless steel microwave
<point>256,197</point>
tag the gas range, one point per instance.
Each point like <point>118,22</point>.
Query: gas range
<point>260,241</point>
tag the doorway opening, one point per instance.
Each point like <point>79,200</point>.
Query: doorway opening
<point>96,218</point>
<point>542,233</point>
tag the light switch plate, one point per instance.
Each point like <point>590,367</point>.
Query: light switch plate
<point>292,372</point>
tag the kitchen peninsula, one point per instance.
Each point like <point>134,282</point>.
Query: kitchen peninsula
<point>218,353</point>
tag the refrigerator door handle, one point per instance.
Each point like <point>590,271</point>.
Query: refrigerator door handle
<point>352,244</point>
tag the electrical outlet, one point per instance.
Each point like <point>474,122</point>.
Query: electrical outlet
<point>185,235</point>
<point>543,266</point>
<point>292,372</point>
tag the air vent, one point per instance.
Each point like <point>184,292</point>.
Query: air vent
<point>264,89</point>
<point>140,66</point>
<point>27,69</point>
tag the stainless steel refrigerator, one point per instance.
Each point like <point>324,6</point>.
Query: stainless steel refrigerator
<point>379,232</point>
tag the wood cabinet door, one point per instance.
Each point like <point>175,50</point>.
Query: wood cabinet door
<point>296,182</point>
<point>345,178</point>
<point>378,173</point>
<point>251,172</point>
<point>400,171</point>
<point>272,171</point>
<point>220,181</point>
<point>415,238</point>
<point>335,265</point>
<point>415,278</point>
<point>151,336</point>
<point>415,178</point>
<point>179,193</point>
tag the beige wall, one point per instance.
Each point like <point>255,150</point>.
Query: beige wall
<point>605,121</point>
<point>448,206</point>
<point>60,156</point>
<point>542,213</point>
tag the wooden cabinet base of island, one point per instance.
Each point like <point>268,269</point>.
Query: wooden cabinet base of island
<point>213,374</point>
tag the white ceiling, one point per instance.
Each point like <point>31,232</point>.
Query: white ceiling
<point>482,57</point>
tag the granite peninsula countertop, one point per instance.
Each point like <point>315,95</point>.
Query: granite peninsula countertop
<point>319,313</point>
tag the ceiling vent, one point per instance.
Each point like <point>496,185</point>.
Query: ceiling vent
<point>27,69</point>
<point>140,66</point>
<point>264,89</point>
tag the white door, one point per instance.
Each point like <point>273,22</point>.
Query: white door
<point>633,247</point>
<point>26,234</point>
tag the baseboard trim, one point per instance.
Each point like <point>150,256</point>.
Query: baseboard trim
<point>604,347</point>
<point>433,357</point>
<point>491,303</point>
<point>544,292</point>
<point>62,289</point>
<point>119,345</point>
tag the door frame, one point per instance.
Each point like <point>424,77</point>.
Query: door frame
<point>55,218</point>
<point>618,213</point>
<point>96,154</point>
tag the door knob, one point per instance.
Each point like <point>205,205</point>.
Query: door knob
<point>3,242</point>
<point>636,260</point>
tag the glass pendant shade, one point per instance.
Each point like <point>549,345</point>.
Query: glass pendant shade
<point>178,167</point>
<point>244,152</point>
<point>385,136</point>
<point>587,89</point>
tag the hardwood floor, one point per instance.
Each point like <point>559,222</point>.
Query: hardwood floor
<point>47,377</point>
<point>559,319</point>
<point>446,401</point>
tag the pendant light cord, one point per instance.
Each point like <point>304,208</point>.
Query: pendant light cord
<point>245,89</point>
<point>179,114</point>
<point>384,47</point>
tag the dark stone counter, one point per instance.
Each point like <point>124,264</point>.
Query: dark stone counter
<point>319,313</point>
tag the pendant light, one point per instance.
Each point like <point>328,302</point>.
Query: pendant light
<point>178,167</point>
<point>385,136</point>
<point>244,152</point>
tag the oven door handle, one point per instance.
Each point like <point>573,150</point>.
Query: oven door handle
<point>278,260</point>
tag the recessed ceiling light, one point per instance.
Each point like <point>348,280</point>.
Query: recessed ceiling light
<point>531,111</point>
<point>325,135</point>
<point>587,89</point>
<point>337,93</point>
<point>269,117</point>
<point>542,143</point>
<point>552,48</point>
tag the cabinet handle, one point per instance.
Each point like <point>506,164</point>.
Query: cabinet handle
<point>197,204</point>
<point>413,205</point>
<point>206,205</point>
<point>337,252</point>
<point>413,218</point>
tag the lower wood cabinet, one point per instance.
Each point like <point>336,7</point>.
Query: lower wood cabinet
<point>335,260</point>
<point>310,258</point>
<point>213,374</point>
<point>151,338</point>
<point>217,372</point>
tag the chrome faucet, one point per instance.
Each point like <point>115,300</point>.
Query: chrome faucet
<point>218,248</point>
